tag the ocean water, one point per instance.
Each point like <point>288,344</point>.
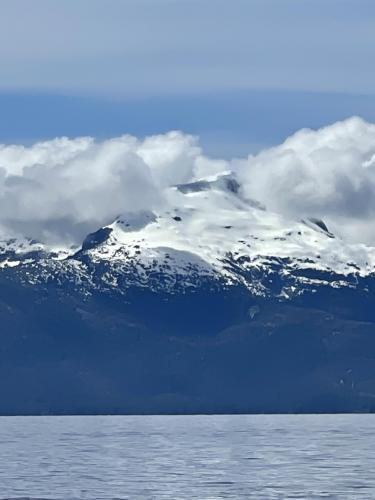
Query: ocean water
<point>188,457</point>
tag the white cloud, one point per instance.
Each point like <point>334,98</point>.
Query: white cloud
<point>64,188</point>
<point>329,173</point>
<point>171,157</point>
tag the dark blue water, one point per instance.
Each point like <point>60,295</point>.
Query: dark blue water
<point>203,457</point>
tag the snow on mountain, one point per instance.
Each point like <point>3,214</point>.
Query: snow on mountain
<point>17,250</point>
<point>211,221</point>
<point>207,231</point>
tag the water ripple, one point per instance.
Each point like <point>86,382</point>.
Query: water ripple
<point>192,457</point>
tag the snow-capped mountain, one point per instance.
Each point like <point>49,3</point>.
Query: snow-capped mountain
<point>207,233</point>
<point>211,303</point>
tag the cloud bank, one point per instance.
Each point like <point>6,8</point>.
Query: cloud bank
<point>328,173</point>
<point>58,191</point>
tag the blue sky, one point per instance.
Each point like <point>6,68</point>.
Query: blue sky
<point>241,74</point>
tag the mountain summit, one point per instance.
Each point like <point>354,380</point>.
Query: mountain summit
<point>205,230</point>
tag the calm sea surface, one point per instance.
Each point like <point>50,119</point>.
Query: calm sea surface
<point>204,457</point>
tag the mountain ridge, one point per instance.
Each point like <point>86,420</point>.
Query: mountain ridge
<point>208,304</point>
<point>208,228</point>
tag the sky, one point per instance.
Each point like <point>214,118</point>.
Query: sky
<point>242,75</point>
<point>106,103</point>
